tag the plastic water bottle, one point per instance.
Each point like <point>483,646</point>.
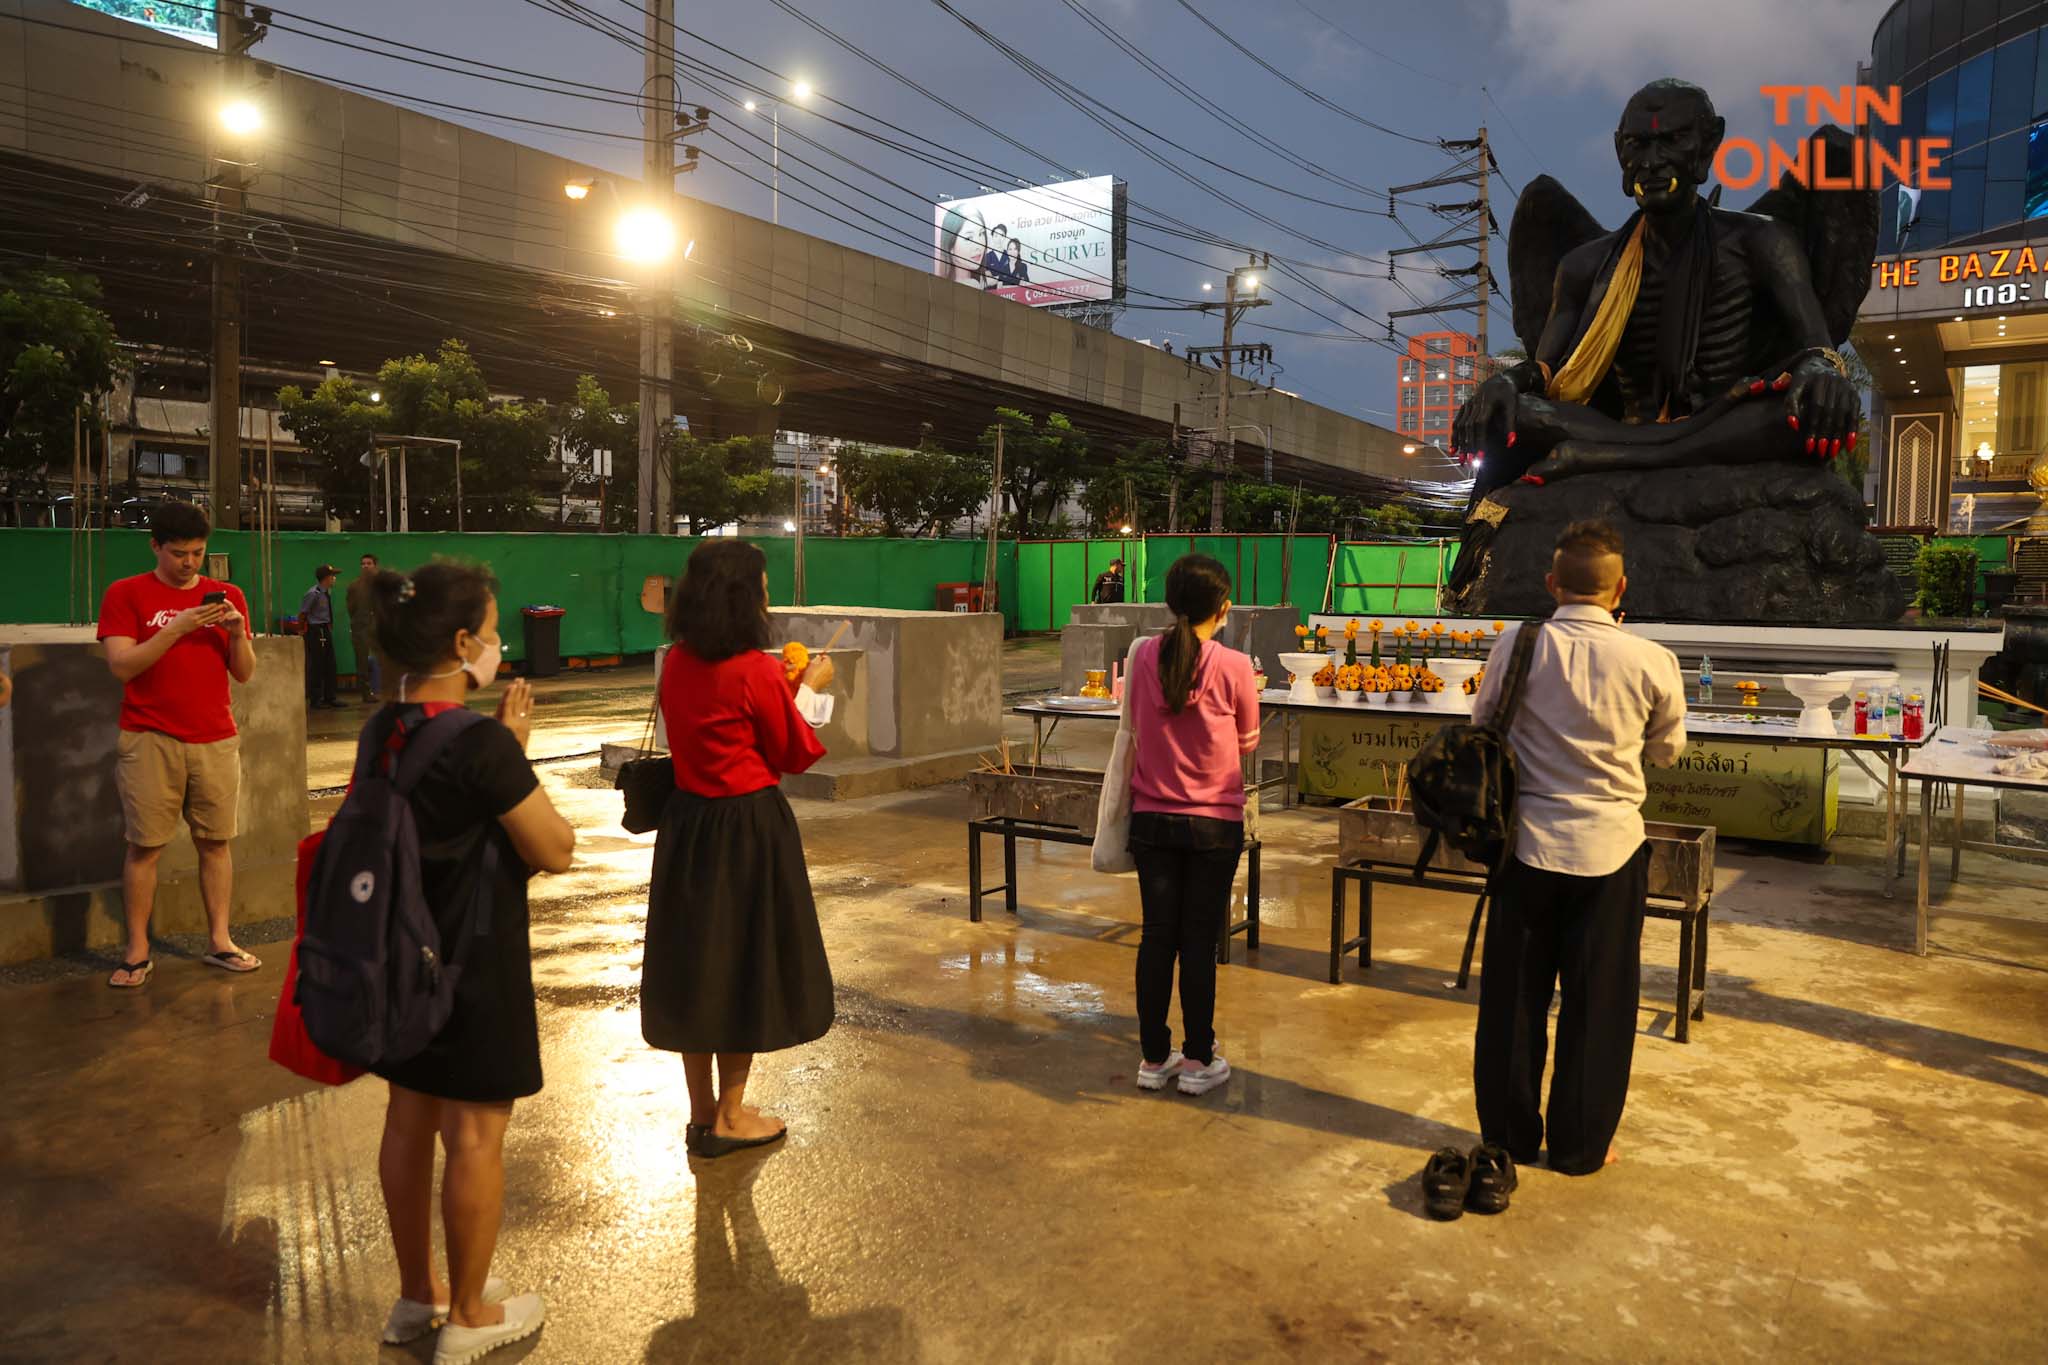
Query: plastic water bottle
<point>1706,693</point>
<point>1894,711</point>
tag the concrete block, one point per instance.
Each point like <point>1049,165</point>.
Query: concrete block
<point>933,680</point>
<point>61,840</point>
<point>1262,632</point>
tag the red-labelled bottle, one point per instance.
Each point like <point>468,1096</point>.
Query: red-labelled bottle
<point>1862,722</point>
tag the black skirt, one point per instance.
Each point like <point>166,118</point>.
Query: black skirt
<point>734,959</point>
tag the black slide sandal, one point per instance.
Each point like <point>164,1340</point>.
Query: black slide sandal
<point>147,967</point>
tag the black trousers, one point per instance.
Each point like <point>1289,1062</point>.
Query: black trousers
<point>1543,929</point>
<point>320,675</point>
<point>1186,866</point>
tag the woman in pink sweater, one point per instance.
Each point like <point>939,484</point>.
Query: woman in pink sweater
<point>1193,712</point>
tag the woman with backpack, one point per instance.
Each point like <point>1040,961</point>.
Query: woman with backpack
<point>734,963</point>
<point>481,817</point>
<point>1191,709</point>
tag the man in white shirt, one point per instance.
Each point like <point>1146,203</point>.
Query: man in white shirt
<point>1598,704</point>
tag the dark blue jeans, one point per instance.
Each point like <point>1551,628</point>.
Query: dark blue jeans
<point>1186,866</point>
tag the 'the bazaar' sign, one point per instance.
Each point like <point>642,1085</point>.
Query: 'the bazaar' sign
<point>1994,277</point>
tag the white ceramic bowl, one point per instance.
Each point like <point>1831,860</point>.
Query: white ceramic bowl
<point>1815,691</point>
<point>1455,671</point>
<point>1303,665</point>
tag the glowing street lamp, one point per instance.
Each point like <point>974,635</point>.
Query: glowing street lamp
<point>241,117</point>
<point>579,190</point>
<point>645,236</point>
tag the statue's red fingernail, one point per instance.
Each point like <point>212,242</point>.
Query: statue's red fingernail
<point>1809,445</point>
<point>1783,382</point>
<point>1835,449</point>
<point>1511,438</point>
<point>1756,386</point>
<point>1532,478</point>
<point>1852,442</point>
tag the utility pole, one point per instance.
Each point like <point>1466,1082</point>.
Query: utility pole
<point>230,183</point>
<point>1485,281</point>
<point>1246,280</point>
<point>991,582</point>
<point>657,340</point>
<point>1474,220</point>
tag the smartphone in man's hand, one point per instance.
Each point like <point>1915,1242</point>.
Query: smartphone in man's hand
<point>213,599</point>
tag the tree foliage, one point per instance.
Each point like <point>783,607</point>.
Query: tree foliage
<point>593,422</point>
<point>505,445</point>
<point>57,351</point>
<point>717,483</point>
<point>1042,463</point>
<point>1134,489</point>
<point>915,492</point>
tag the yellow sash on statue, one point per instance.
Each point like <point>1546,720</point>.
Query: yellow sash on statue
<point>1589,363</point>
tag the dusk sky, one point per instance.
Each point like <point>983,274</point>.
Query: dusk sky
<point>1547,77</point>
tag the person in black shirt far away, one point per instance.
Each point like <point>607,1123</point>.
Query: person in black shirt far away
<point>1109,584</point>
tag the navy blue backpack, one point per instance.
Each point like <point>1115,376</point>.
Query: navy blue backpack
<point>376,981</point>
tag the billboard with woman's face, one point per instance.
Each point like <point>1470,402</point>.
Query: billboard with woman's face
<point>1048,244</point>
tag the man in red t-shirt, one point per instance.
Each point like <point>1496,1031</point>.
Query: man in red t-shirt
<point>173,638</point>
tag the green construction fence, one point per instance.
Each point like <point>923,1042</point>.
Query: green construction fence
<point>597,579</point>
<point>1392,577</point>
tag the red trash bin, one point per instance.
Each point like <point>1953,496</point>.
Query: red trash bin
<point>961,597</point>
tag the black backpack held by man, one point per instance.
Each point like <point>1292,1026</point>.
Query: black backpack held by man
<point>376,979</point>
<point>1463,780</point>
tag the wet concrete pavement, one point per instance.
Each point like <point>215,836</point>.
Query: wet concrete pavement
<point>1846,1162</point>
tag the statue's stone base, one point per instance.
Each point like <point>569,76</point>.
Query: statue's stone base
<point>1767,542</point>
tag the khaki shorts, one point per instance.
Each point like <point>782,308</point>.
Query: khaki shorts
<point>162,779</point>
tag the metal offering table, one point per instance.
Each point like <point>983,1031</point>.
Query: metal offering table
<point>1059,806</point>
<point>1889,753</point>
<point>1380,845</point>
<point>1957,758</point>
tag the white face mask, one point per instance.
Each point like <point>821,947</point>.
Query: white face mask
<point>482,670</point>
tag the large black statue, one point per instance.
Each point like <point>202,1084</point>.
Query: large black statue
<point>1693,337</point>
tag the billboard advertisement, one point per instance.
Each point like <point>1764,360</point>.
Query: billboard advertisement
<point>191,20</point>
<point>1045,245</point>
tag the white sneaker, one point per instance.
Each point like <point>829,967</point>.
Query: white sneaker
<point>409,1319</point>
<point>524,1314</point>
<point>1158,1077</point>
<point>1200,1080</point>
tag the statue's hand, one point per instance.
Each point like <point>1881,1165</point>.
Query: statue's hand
<point>1487,416</point>
<point>1822,406</point>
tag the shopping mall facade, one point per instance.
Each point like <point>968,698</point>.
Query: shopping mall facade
<point>1955,329</point>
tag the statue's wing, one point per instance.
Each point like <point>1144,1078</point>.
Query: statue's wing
<point>1837,228</point>
<point>1549,221</point>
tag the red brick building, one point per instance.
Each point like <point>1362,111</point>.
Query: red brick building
<point>1437,375</point>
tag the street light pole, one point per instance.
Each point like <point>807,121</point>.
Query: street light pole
<point>230,205</point>
<point>657,342</point>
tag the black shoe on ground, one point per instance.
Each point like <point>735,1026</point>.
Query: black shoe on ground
<point>1492,1173</point>
<point>1445,1182</point>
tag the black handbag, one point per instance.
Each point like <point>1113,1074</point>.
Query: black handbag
<point>648,781</point>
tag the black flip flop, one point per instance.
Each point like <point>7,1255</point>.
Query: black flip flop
<point>228,960</point>
<point>147,967</point>
<point>1445,1182</point>
<point>1493,1179</point>
<point>710,1146</point>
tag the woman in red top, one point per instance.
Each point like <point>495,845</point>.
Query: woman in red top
<point>734,963</point>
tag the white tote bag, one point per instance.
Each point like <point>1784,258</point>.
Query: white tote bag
<point>1112,850</point>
